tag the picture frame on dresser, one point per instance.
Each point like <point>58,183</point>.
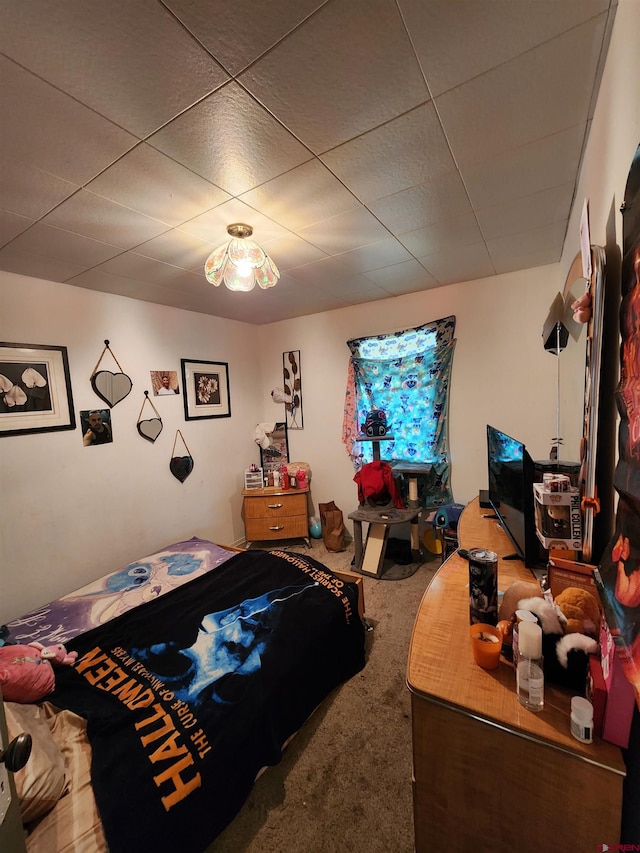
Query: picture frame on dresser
<point>35,389</point>
<point>205,389</point>
<point>277,451</point>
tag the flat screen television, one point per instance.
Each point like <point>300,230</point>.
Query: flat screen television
<point>511,478</point>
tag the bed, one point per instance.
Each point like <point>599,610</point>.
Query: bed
<point>196,666</point>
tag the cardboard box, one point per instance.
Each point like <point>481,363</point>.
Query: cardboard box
<point>558,518</point>
<point>563,572</point>
<point>621,701</point>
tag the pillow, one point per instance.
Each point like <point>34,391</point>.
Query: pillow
<point>42,781</point>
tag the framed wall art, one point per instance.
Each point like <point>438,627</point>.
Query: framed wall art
<point>205,389</point>
<point>35,389</point>
<point>292,377</point>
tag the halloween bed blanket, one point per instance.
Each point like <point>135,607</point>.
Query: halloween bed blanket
<point>188,696</point>
<point>113,594</point>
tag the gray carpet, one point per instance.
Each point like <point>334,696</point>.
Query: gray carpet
<point>344,783</point>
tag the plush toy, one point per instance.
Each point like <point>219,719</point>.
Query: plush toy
<point>580,611</point>
<point>26,671</point>
<point>566,653</point>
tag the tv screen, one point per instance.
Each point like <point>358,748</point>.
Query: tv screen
<point>511,476</point>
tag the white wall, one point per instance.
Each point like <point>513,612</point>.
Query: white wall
<point>70,513</point>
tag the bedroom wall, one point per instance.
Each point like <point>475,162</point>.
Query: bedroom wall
<point>70,513</point>
<point>501,375</point>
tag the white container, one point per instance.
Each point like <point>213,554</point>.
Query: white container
<point>582,719</point>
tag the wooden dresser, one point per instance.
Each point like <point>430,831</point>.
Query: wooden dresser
<point>490,776</point>
<point>271,514</point>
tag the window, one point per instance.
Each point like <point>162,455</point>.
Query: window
<point>406,374</point>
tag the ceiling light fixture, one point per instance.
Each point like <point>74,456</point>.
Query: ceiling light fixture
<point>240,262</point>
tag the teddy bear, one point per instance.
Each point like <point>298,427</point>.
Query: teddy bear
<point>569,625</point>
<point>26,671</point>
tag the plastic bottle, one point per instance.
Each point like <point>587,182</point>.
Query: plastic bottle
<point>582,719</point>
<point>529,666</point>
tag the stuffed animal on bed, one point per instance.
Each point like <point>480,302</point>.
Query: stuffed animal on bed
<point>26,671</point>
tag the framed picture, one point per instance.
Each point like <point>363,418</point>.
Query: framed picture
<point>292,379</point>
<point>35,389</point>
<point>277,451</point>
<point>165,382</point>
<point>205,389</point>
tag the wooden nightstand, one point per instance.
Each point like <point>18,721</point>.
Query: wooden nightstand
<point>271,514</point>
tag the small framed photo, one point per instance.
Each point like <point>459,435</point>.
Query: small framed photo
<point>96,427</point>
<point>205,389</point>
<point>35,389</point>
<point>165,383</point>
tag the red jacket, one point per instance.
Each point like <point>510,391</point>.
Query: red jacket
<point>376,485</point>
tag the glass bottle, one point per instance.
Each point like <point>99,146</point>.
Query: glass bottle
<point>529,666</point>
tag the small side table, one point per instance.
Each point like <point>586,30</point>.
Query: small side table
<point>379,520</point>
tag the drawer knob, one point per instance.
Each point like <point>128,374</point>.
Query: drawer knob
<point>274,506</point>
<point>281,527</point>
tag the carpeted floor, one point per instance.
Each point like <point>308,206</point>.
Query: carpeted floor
<point>344,783</point>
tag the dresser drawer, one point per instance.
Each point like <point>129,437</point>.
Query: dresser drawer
<point>286,527</point>
<point>275,506</point>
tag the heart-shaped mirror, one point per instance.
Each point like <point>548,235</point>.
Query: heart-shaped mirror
<point>181,467</point>
<point>111,387</point>
<point>150,429</point>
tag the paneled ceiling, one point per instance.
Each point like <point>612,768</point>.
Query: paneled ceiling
<point>376,147</point>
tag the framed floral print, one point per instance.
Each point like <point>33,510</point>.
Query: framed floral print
<point>205,389</point>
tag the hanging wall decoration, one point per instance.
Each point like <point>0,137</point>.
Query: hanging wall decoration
<point>150,428</point>
<point>110,387</point>
<point>35,389</point>
<point>181,466</point>
<point>292,389</point>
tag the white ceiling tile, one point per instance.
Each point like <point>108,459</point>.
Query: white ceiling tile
<point>501,30</point>
<point>291,251</point>
<point>373,256</point>
<point>346,231</point>
<point>526,243</point>
<point>37,266</point>
<point>532,212</point>
<point>139,268</point>
<point>336,53</point>
<point>11,224</point>
<point>418,207</point>
<point>58,244</point>
<point>403,278</point>
<point>459,264</point>
<point>119,58</point>
<point>28,191</point>
<point>178,249</point>
<point>231,141</point>
<point>97,217</point>
<point>238,33</point>
<point>151,183</point>
<point>449,233</point>
<point>305,195</point>
<point>77,143</point>
<point>402,153</point>
<point>527,260</point>
<point>542,164</point>
<point>535,95</point>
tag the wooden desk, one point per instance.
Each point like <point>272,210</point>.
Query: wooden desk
<point>488,774</point>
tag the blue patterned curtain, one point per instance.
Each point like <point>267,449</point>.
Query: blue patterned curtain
<point>407,375</point>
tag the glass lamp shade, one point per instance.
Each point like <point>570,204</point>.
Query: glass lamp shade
<point>240,264</point>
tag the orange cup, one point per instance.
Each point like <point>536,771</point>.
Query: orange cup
<point>486,641</point>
